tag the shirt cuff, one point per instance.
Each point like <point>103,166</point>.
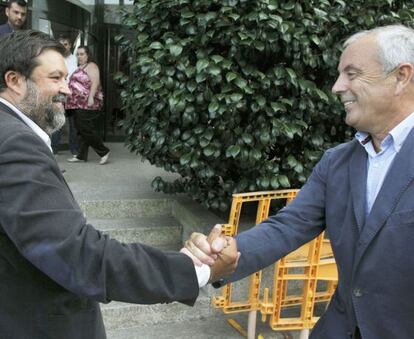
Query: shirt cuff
<point>203,274</point>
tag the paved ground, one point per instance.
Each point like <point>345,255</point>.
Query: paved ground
<point>201,329</point>
<point>125,176</point>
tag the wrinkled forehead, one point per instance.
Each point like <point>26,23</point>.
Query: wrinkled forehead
<point>363,53</point>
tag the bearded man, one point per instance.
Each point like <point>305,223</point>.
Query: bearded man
<point>16,12</point>
<point>55,268</point>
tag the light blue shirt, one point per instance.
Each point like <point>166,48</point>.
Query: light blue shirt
<point>379,163</point>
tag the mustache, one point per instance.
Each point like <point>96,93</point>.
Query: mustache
<point>60,98</point>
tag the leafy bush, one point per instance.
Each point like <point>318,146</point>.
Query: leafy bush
<point>234,95</point>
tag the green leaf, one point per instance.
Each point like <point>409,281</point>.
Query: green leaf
<point>241,83</point>
<point>299,168</point>
<point>264,183</point>
<point>175,50</point>
<point>214,70</point>
<point>213,107</point>
<point>319,13</point>
<point>231,76</point>
<point>232,151</point>
<point>186,158</point>
<point>259,45</point>
<point>315,39</point>
<point>292,161</point>
<point>322,95</point>
<point>261,101</point>
<point>201,65</point>
<point>274,183</point>
<point>217,58</point>
<point>209,151</point>
<point>264,137</point>
<point>236,97</point>
<point>291,73</point>
<point>156,45</point>
<point>276,17</point>
<point>277,106</point>
<point>283,181</point>
<point>187,15</point>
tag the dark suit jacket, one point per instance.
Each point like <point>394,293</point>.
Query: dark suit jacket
<point>5,29</point>
<point>54,266</point>
<point>375,257</point>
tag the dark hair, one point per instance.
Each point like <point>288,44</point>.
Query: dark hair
<point>20,49</point>
<point>88,53</point>
<point>64,37</point>
<point>21,3</point>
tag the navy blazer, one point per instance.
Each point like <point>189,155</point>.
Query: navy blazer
<point>374,255</point>
<point>54,266</point>
<point>5,29</point>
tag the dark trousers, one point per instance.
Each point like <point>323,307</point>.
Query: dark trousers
<point>73,134</point>
<point>55,140</point>
<point>86,123</point>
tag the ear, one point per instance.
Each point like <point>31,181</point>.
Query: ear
<point>404,77</point>
<point>7,11</point>
<point>15,82</point>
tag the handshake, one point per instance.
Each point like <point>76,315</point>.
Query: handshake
<point>215,250</point>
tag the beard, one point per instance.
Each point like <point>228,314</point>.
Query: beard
<point>49,116</point>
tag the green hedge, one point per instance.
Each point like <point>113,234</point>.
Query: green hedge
<point>234,95</point>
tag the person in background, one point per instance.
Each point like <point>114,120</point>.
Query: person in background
<point>361,192</point>
<point>71,64</point>
<point>16,12</point>
<point>86,100</point>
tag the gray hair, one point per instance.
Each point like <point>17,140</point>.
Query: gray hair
<point>395,45</point>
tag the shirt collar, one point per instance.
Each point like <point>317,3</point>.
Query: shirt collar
<point>396,136</point>
<point>42,134</point>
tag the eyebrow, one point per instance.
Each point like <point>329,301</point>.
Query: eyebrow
<point>350,67</point>
<point>56,72</point>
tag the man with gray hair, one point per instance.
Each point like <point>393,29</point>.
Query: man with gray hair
<point>361,192</point>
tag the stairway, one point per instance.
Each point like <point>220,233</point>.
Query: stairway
<point>118,199</point>
<point>159,222</point>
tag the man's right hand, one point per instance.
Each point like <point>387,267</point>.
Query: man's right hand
<point>203,249</point>
<point>227,260</point>
<point>216,250</point>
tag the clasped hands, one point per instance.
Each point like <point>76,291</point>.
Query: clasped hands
<point>216,250</point>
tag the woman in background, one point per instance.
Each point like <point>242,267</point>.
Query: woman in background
<point>87,100</point>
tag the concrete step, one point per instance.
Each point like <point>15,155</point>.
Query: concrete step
<point>127,208</point>
<point>162,231</point>
<point>216,328</point>
<point>119,315</point>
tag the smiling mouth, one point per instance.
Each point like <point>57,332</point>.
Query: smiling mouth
<point>348,102</point>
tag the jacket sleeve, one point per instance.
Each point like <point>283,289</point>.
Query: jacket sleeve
<point>40,216</point>
<point>294,225</point>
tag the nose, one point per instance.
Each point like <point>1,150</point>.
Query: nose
<point>64,89</point>
<point>340,85</point>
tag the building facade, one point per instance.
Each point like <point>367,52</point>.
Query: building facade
<point>94,23</point>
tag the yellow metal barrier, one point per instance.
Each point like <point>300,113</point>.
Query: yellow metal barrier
<point>309,264</point>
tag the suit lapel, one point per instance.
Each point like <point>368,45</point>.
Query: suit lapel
<point>358,180</point>
<point>8,110</point>
<point>400,174</point>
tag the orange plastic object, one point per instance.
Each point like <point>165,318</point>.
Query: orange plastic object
<point>306,266</point>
